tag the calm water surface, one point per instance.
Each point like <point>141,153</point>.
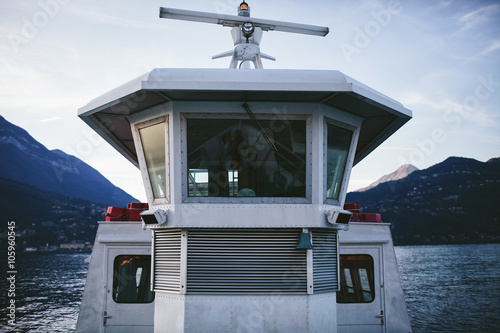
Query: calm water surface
<point>49,289</point>
<point>454,288</point>
<point>447,289</point>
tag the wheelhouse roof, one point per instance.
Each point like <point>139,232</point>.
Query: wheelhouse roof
<point>108,114</point>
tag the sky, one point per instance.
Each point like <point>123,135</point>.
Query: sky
<point>440,59</point>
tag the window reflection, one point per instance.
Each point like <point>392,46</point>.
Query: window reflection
<point>356,279</point>
<point>153,145</point>
<point>131,277</point>
<point>338,144</point>
<point>348,281</point>
<point>231,157</point>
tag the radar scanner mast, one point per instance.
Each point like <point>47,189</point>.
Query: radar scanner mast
<point>246,31</point>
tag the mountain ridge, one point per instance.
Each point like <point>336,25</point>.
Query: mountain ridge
<point>454,201</point>
<point>52,218</point>
<point>402,172</point>
<point>30,162</point>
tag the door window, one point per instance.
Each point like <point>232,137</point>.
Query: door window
<point>356,279</point>
<point>131,279</point>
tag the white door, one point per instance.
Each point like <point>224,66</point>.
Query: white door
<point>360,302</point>
<point>129,304</point>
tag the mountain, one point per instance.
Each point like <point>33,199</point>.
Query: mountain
<point>27,161</point>
<point>400,173</point>
<point>43,218</point>
<point>455,201</point>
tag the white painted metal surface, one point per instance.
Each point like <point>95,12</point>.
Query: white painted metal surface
<point>228,314</point>
<point>98,311</point>
<point>237,21</point>
<point>213,260</point>
<point>365,317</point>
<point>125,317</point>
<point>374,239</point>
<point>246,32</point>
<point>109,115</point>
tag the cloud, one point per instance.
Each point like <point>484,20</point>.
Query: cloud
<point>396,148</point>
<point>50,119</point>
<point>477,17</point>
<point>116,21</point>
<point>494,46</point>
<point>428,102</point>
<point>491,139</point>
<point>444,4</point>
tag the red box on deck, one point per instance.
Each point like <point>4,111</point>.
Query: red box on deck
<point>352,207</point>
<point>134,214</point>
<point>372,217</point>
<point>131,213</point>
<point>138,205</point>
<point>355,217</point>
<point>115,214</point>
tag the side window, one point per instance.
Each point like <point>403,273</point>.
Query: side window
<point>356,279</point>
<point>153,139</point>
<point>338,142</point>
<point>131,279</point>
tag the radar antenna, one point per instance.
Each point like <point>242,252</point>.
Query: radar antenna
<point>246,31</point>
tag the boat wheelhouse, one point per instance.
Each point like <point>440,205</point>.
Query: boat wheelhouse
<point>246,173</point>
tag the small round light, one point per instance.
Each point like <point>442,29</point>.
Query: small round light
<point>247,29</point>
<point>244,9</point>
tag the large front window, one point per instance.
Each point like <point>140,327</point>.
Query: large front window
<point>264,157</point>
<point>338,140</point>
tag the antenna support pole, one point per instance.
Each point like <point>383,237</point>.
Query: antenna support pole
<point>246,32</point>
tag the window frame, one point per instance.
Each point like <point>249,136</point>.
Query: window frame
<point>185,116</point>
<point>143,163</point>
<point>349,161</point>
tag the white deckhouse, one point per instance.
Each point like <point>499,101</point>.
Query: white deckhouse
<point>246,173</point>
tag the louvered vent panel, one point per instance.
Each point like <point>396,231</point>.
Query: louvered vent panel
<point>245,261</point>
<point>325,261</point>
<point>167,260</point>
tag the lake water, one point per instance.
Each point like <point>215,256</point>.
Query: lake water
<point>49,289</point>
<point>447,289</point>
<point>454,288</point>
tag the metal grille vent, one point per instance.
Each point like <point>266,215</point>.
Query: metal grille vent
<point>325,261</point>
<point>242,261</point>
<point>167,260</point>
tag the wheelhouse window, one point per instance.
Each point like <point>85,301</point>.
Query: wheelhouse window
<point>246,157</point>
<point>338,142</point>
<point>356,279</point>
<point>131,279</point>
<point>153,146</point>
